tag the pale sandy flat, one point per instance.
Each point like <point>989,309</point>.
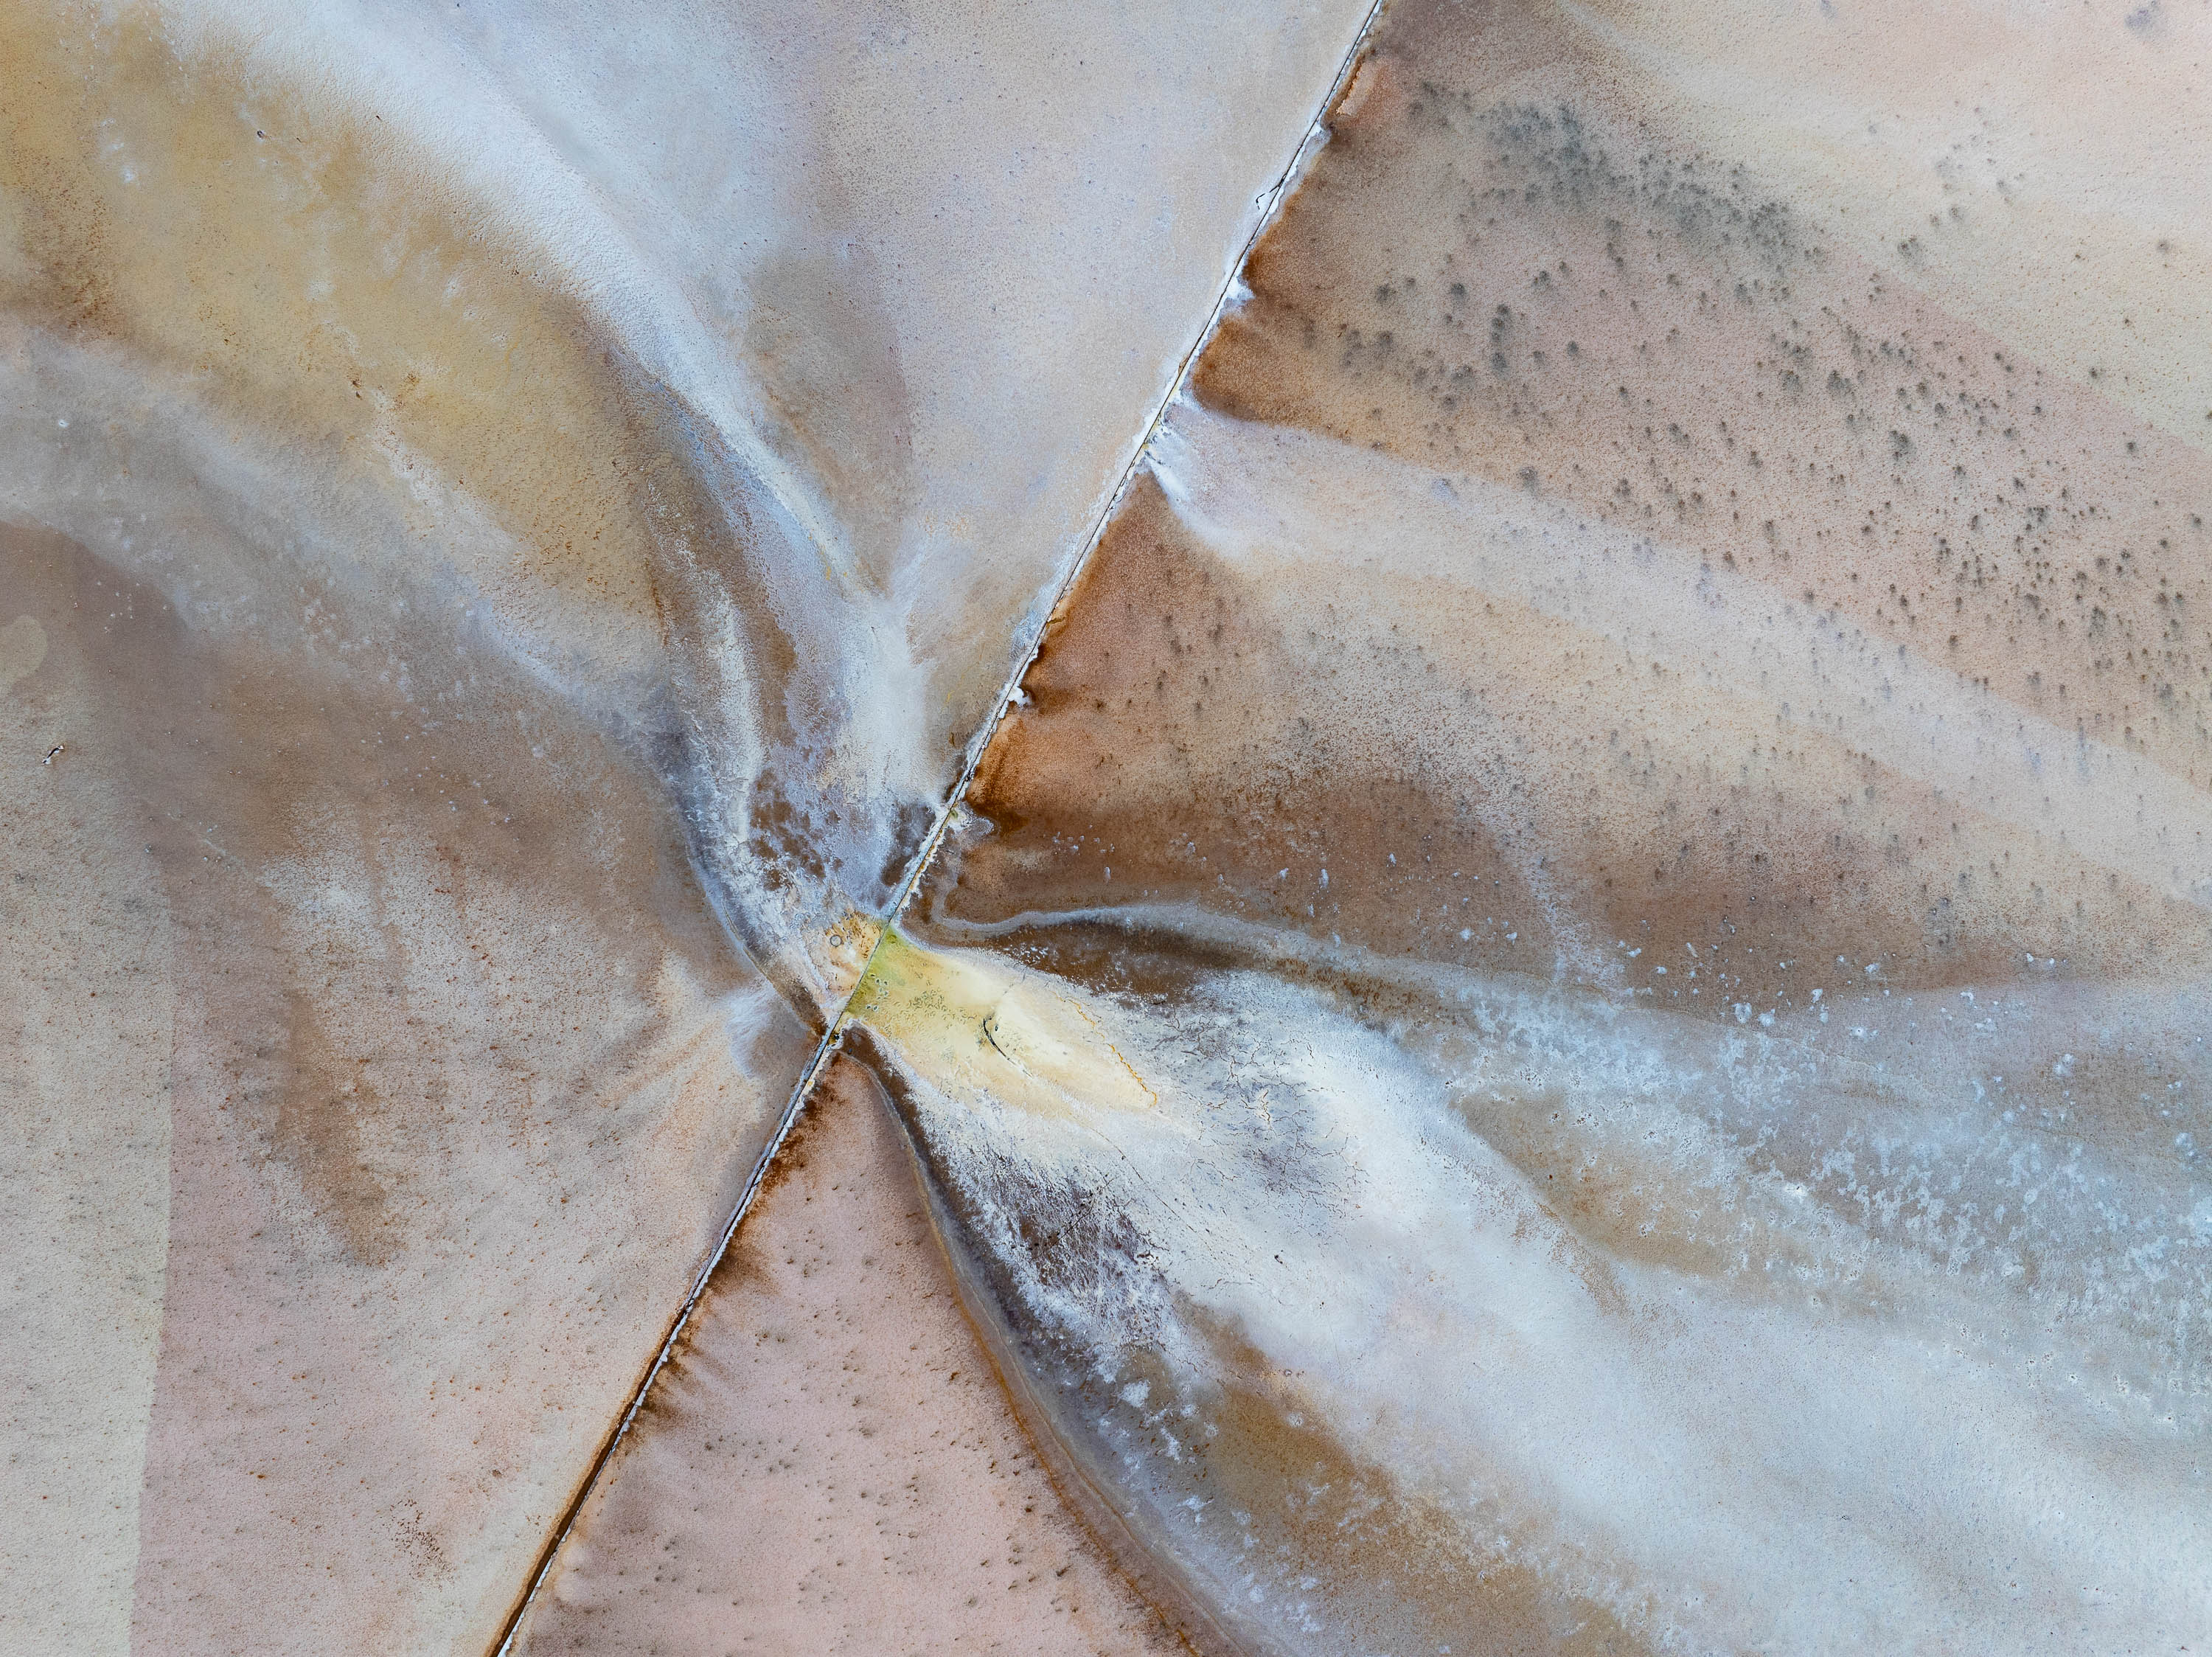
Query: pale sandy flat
<point>832,1466</point>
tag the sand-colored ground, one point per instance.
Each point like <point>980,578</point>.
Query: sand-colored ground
<point>831,1464</point>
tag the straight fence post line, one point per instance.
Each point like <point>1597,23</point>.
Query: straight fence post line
<point>826,1048</point>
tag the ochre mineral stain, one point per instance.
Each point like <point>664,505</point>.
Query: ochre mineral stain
<point>413,1021</point>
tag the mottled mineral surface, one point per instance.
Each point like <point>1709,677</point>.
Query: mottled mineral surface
<point>1565,1011</point>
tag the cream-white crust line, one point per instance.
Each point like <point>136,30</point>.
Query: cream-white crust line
<point>595,216</point>
<point>1047,267</point>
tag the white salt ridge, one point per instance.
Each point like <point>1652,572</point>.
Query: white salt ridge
<point>1272,501</point>
<point>892,295</point>
<point>733,201</point>
<point>1831,1438</point>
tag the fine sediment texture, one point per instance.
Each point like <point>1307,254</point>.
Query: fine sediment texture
<point>416,1104</point>
<point>510,518</point>
<point>1566,1016</point>
<point>831,1466</point>
<point>1571,1017</point>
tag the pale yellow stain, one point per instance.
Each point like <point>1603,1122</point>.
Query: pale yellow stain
<point>971,1024</point>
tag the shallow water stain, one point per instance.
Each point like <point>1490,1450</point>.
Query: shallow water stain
<point>536,552</point>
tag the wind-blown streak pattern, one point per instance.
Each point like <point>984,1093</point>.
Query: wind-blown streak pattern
<point>1567,1016</point>
<point>1572,1016</point>
<point>512,516</point>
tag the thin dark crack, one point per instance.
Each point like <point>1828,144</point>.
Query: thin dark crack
<point>823,1052</point>
<point>1272,199</point>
